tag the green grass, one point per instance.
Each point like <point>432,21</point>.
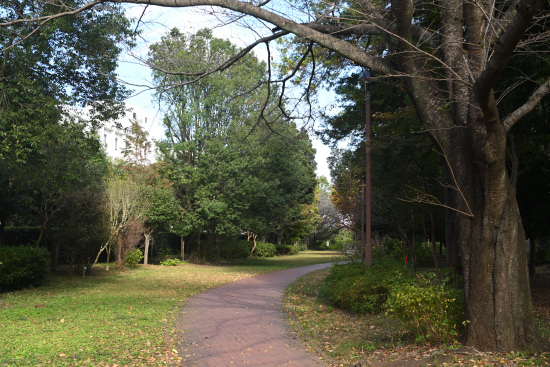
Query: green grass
<point>115,318</point>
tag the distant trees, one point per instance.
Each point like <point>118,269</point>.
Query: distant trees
<point>329,220</point>
<point>405,167</point>
<point>231,172</point>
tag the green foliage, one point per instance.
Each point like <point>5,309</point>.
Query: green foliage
<point>398,250</point>
<point>236,249</point>
<point>342,241</point>
<point>359,289</point>
<point>172,262</point>
<point>430,308</point>
<point>302,247</point>
<point>79,229</point>
<point>161,206</point>
<point>424,255</point>
<point>133,257</point>
<point>392,247</point>
<point>287,250</point>
<point>264,249</point>
<point>21,235</point>
<point>22,267</point>
<point>67,61</point>
<point>231,174</point>
<point>137,145</point>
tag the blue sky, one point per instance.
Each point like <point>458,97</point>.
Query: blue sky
<point>156,22</point>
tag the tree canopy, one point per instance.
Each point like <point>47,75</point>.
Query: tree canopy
<point>232,173</point>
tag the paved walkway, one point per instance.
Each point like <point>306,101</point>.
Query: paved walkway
<point>243,323</point>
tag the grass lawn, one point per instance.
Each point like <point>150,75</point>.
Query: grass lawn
<point>344,339</point>
<point>115,318</point>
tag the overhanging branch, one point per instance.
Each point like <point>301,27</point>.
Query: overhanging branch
<point>527,106</point>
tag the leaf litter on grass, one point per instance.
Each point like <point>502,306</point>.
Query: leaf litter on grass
<point>346,339</point>
<point>115,318</point>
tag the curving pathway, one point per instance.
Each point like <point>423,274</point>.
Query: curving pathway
<point>243,323</point>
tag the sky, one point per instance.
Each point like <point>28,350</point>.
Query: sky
<point>155,22</point>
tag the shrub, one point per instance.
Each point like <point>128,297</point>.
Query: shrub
<point>359,289</point>
<point>302,247</point>
<point>286,250</point>
<point>424,255</point>
<point>342,240</point>
<point>264,249</point>
<point>172,262</point>
<point>430,308</point>
<point>394,248</point>
<point>21,267</point>
<point>133,257</point>
<point>237,249</point>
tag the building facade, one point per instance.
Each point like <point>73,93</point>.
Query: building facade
<point>113,135</point>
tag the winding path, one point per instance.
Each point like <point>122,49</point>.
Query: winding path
<point>243,323</point>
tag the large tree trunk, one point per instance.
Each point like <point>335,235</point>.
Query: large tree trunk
<point>491,240</point>
<point>498,297</point>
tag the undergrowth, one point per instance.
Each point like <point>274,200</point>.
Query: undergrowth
<point>429,305</point>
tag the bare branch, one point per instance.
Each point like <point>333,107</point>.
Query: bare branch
<point>527,107</point>
<point>425,198</point>
<point>343,47</point>
<point>48,18</point>
<point>503,51</point>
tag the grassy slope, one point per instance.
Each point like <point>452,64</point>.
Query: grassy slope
<point>114,318</point>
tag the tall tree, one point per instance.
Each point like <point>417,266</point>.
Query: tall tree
<point>44,64</point>
<point>199,116</point>
<point>137,145</point>
<point>68,160</point>
<point>232,174</point>
<point>449,59</point>
<point>162,209</point>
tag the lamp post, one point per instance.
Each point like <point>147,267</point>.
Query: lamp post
<point>367,244</point>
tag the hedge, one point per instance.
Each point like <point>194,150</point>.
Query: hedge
<point>22,267</point>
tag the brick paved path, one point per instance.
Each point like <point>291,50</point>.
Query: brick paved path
<point>243,323</point>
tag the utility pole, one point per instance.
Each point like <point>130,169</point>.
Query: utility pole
<point>368,236</point>
<point>363,204</point>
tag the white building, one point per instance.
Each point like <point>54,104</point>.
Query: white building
<point>113,134</point>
